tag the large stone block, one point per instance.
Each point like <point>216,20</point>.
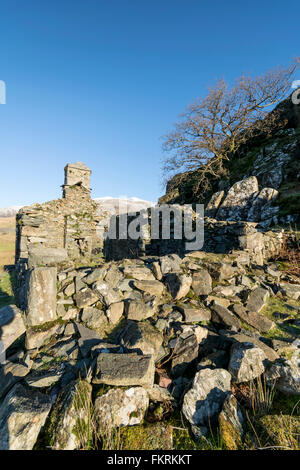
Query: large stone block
<point>236,203</point>
<point>42,291</point>
<point>40,256</point>
<point>22,415</point>
<point>203,402</point>
<point>11,325</point>
<point>125,370</point>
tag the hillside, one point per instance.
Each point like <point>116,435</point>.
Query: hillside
<point>273,160</point>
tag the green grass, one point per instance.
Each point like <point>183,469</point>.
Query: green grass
<point>281,330</point>
<point>6,289</point>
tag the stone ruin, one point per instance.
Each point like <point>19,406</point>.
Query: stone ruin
<point>92,334</point>
<point>66,225</point>
<point>68,229</point>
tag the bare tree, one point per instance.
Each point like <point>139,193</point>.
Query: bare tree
<point>212,129</point>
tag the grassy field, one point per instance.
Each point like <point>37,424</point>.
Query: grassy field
<point>7,240</point>
<point>7,255</point>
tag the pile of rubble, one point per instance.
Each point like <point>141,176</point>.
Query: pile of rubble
<point>145,332</point>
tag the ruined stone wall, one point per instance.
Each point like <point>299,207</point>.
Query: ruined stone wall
<point>68,223</point>
<point>219,237</point>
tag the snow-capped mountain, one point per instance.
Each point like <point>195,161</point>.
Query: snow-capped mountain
<point>9,211</point>
<point>123,204</point>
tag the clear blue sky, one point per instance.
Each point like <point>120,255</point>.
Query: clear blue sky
<point>100,81</point>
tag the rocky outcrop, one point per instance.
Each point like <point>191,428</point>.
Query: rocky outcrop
<point>237,202</point>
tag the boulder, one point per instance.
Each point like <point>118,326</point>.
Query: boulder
<point>115,312</point>
<point>125,370</point>
<point>94,318</point>
<point>238,199</point>
<point>45,378</point>
<point>257,300</point>
<point>194,315</point>
<point>286,374</point>
<point>159,394</point>
<point>223,316</point>
<point>219,270</point>
<point>156,270</point>
<point>42,291</point>
<point>203,402</point>
<point>178,285</point>
<point>138,310</point>
<point>142,338</point>
<point>119,407</point>
<point>151,287</point>
<point>260,205</point>
<point>11,325</point>
<point>113,276</point>
<point>184,353</point>
<point>96,275</point>
<point>11,373</point>
<point>247,362</point>
<point>85,297</point>
<point>88,339</point>
<point>23,413</point>
<point>170,264</point>
<point>108,294</point>
<point>213,204</point>
<point>67,349</point>
<point>202,282</point>
<point>70,289</point>
<point>243,338</point>
<point>290,290</point>
<point>35,338</point>
<point>259,322</point>
<point>140,273</point>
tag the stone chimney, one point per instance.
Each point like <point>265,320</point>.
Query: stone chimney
<point>76,174</point>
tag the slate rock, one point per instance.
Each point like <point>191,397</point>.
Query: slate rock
<point>85,297</point>
<point>257,321</point>
<point>142,338</point>
<point>203,402</point>
<point>11,325</point>
<point>23,413</point>
<point>178,285</point>
<point>221,315</point>
<point>257,300</point>
<point>202,282</point>
<point>119,407</point>
<point>247,362</point>
<point>42,291</point>
<point>125,370</point>
<point>11,373</point>
<point>184,353</point>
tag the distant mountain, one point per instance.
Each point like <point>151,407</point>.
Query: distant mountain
<point>110,204</point>
<point>121,204</point>
<point>9,211</point>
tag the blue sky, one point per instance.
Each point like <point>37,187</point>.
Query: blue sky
<point>100,81</point>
